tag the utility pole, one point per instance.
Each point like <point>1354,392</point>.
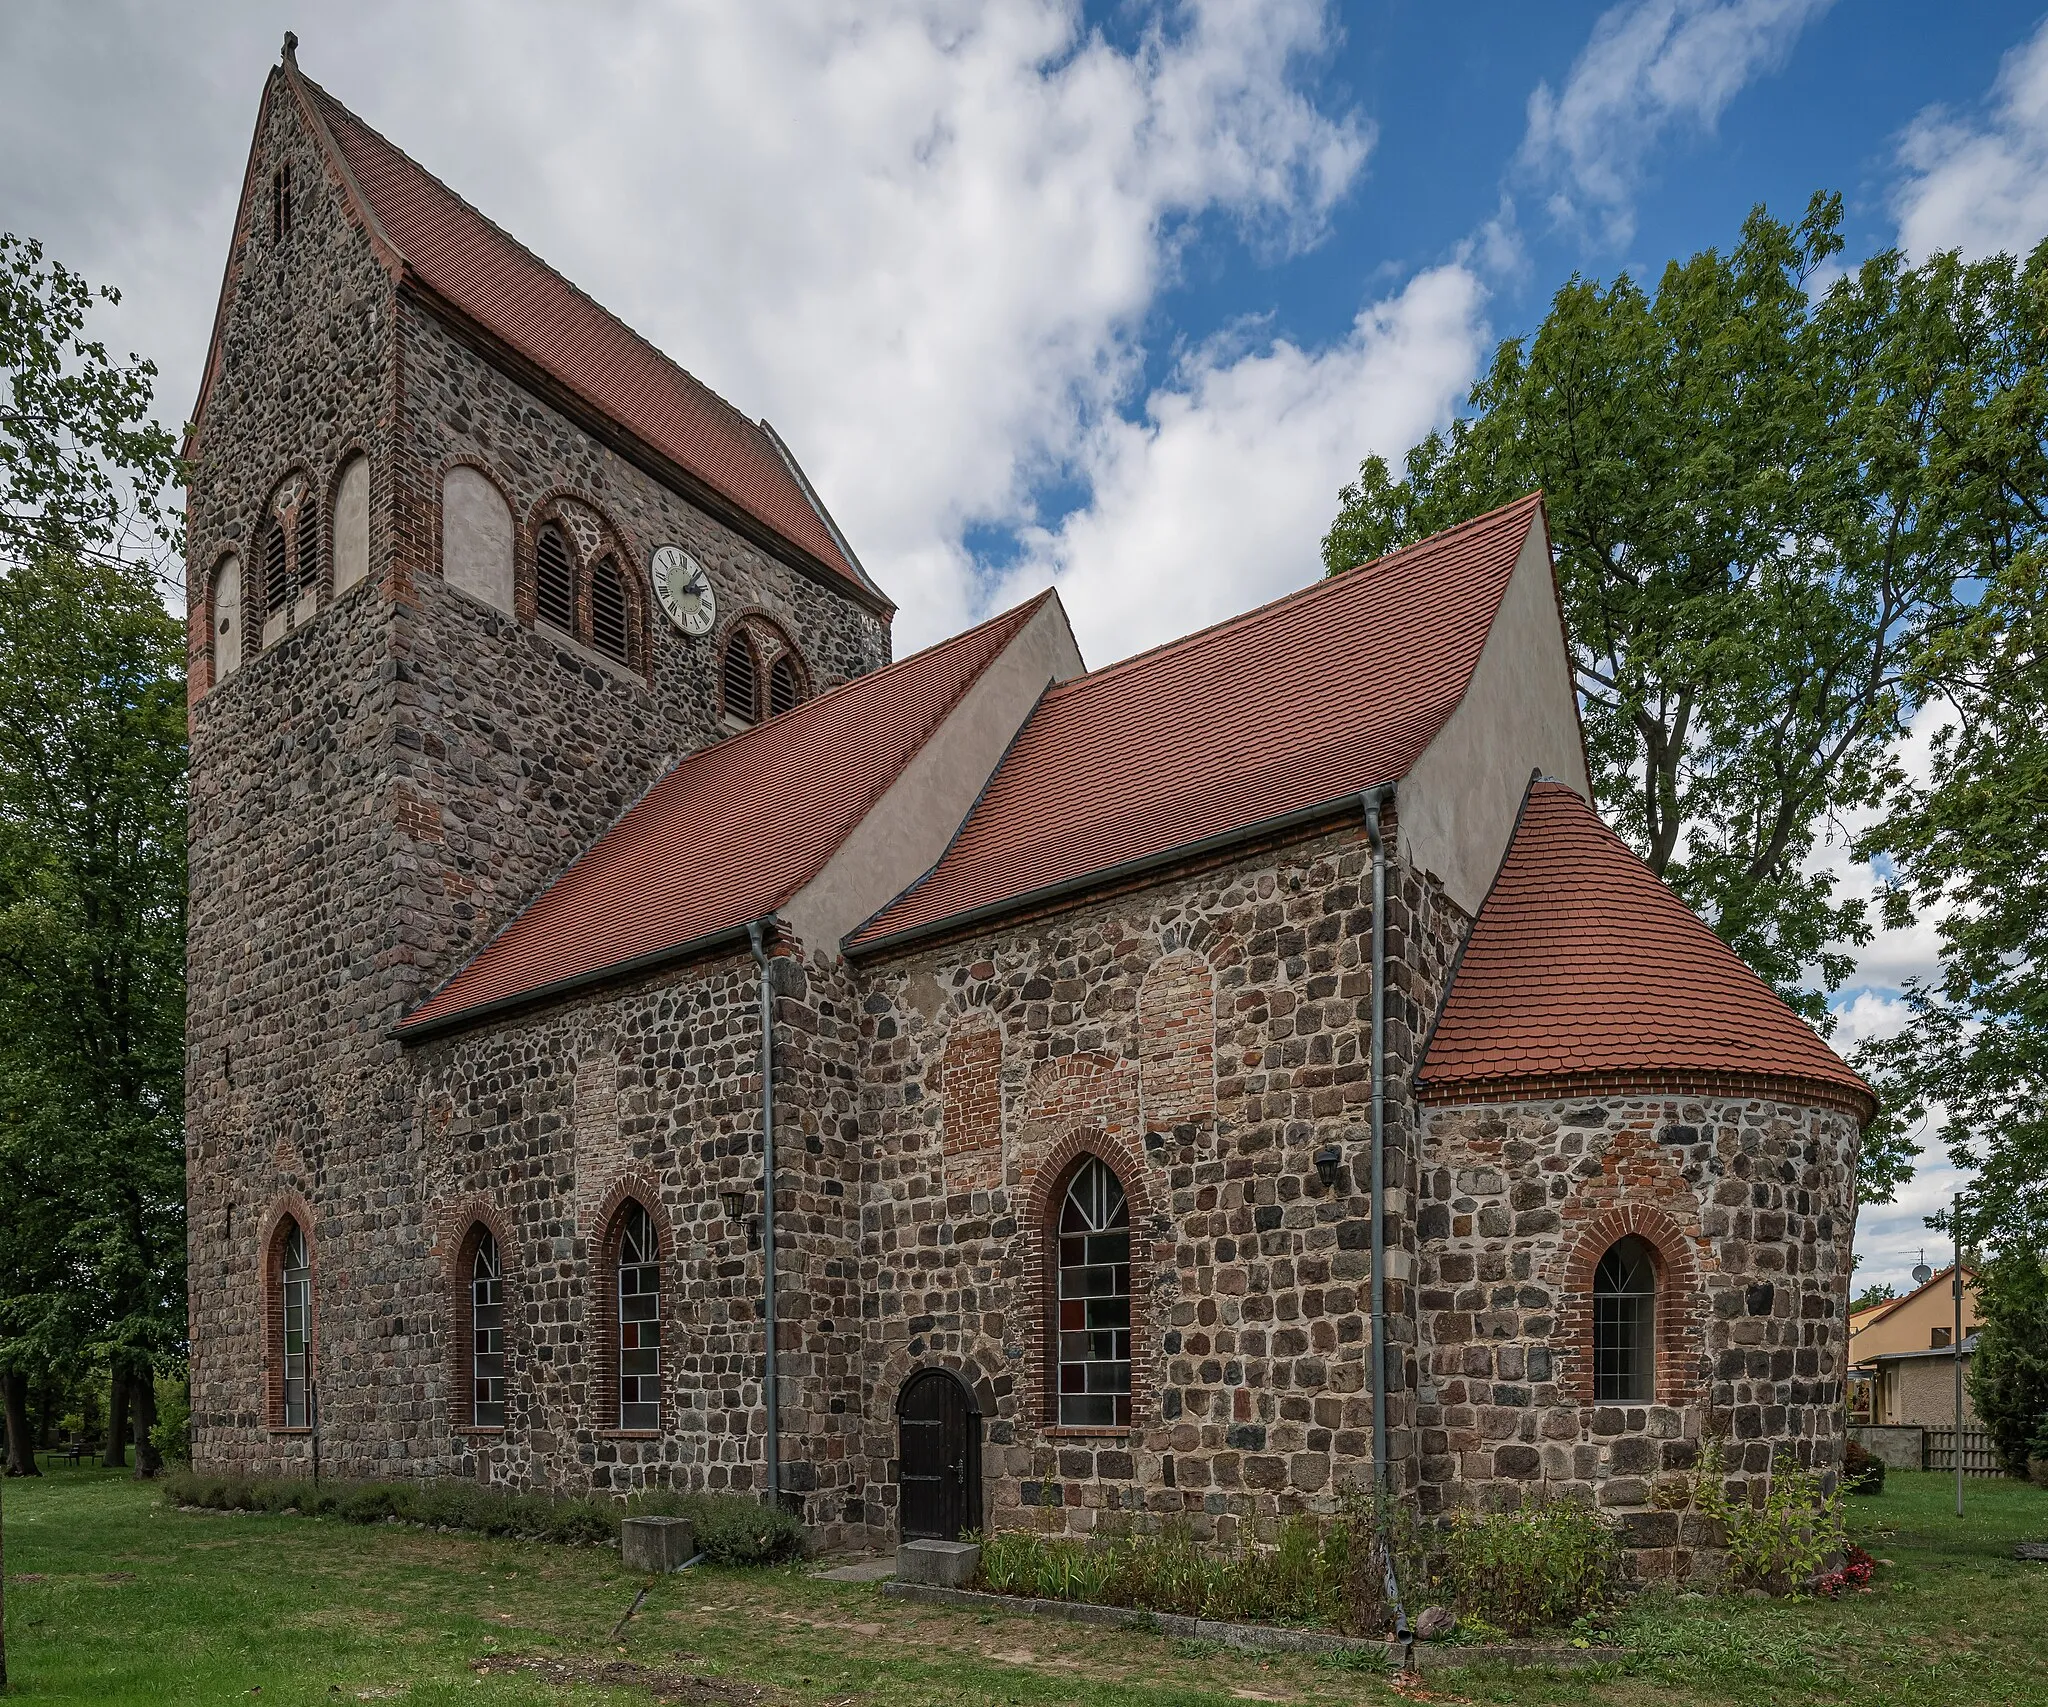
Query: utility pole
<point>1955,1286</point>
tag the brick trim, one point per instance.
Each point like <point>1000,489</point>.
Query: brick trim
<point>285,1208</point>
<point>1681,1303</point>
<point>1044,1191</point>
<point>609,1221</point>
<point>462,1225</point>
<point>617,543</point>
<point>751,621</point>
<point>1558,1087</point>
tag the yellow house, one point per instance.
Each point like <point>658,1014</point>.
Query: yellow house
<point>1922,1321</point>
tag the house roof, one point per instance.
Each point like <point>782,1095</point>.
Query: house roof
<point>1294,708</point>
<point>1582,970</point>
<point>723,839</point>
<point>1968,1346</point>
<point>1872,1314</point>
<point>452,252</point>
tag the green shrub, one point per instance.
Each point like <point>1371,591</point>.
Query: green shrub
<point>731,1529</point>
<point>1548,1563</point>
<point>1862,1470</point>
<point>172,1435</point>
<point>1782,1544</point>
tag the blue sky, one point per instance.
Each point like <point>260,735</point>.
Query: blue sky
<point>1113,298</point>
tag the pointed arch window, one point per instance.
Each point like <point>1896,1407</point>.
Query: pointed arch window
<point>554,580</point>
<point>487,1333</point>
<point>608,624</point>
<point>741,680</point>
<point>1625,1324</point>
<point>639,1321</point>
<point>785,688</point>
<point>295,1286</point>
<point>1094,1300</point>
<point>277,588</point>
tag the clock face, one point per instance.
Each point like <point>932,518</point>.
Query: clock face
<point>684,590</point>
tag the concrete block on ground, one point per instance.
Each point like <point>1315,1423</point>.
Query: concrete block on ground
<point>657,1544</point>
<point>942,1564</point>
<point>1895,1445</point>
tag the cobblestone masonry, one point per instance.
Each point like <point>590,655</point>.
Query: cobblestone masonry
<point>372,795</point>
<point>1750,1205</point>
<point>1207,1036</point>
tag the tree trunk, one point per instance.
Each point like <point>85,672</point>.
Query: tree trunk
<point>21,1446</point>
<point>116,1455</point>
<point>142,1400</point>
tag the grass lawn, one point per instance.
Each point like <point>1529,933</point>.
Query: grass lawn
<point>113,1599</point>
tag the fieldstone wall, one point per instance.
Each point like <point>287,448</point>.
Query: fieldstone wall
<point>1750,1205</point>
<point>1206,1036</point>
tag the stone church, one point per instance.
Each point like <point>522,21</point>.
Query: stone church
<point>642,1034</point>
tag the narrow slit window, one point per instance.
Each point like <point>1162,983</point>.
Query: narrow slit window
<point>296,1283</point>
<point>608,611</point>
<point>784,689</point>
<point>281,203</point>
<point>277,589</point>
<point>742,686</point>
<point>639,1322</point>
<point>1625,1324</point>
<point>487,1334</point>
<point>1095,1300</point>
<point>554,592</point>
<point>308,577</point>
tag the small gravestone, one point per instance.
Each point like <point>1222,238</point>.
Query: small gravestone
<point>943,1564</point>
<point>656,1544</point>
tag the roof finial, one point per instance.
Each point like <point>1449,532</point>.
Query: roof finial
<point>291,46</point>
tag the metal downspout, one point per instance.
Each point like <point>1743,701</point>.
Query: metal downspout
<point>754,940</point>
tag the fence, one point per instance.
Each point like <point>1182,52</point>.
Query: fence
<point>1938,1451</point>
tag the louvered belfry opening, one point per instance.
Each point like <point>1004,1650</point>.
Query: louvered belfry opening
<point>277,592</point>
<point>784,687</point>
<point>308,576</point>
<point>554,581</point>
<point>742,685</point>
<point>608,627</point>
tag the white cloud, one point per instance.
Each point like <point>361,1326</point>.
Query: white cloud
<point>923,237</point>
<point>1217,498</point>
<point>1890,1237</point>
<point>1650,66</point>
<point>1981,186</point>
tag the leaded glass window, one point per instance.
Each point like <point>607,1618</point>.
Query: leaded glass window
<point>487,1334</point>
<point>1625,1324</point>
<point>297,1283</point>
<point>1095,1300</point>
<point>639,1322</point>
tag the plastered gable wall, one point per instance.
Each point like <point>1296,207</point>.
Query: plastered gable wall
<point>1750,1205</point>
<point>1519,713</point>
<point>1206,1035</point>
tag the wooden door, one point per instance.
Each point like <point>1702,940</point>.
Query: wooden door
<point>939,1458</point>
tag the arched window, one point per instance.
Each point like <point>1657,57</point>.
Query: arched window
<point>277,590</point>
<point>487,1334</point>
<point>554,580</point>
<point>639,1321</point>
<point>227,618</point>
<point>742,680</point>
<point>1094,1300</point>
<point>1625,1324</point>
<point>295,1288</point>
<point>785,687</point>
<point>608,610</point>
<point>308,578</point>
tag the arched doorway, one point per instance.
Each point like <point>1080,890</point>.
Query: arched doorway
<point>938,1454</point>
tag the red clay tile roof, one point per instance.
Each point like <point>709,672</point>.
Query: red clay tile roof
<point>1583,968</point>
<point>726,837</point>
<point>1292,707</point>
<point>461,257</point>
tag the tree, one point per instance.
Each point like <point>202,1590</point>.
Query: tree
<point>91,852</point>
<point>1879,1292</point>
<point>1761,519</point>
<point>2009,1371</point>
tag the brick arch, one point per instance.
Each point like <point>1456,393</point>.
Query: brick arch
<point>461,1225</point>
<point>602,1338</point>
<point>285,1206</point>
<point>281,506</point>
<point>210,615</point>
<point>330,496</point>
<point>1681,1301</point>
<point>767,638</point>
<point>1044,1190</point>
